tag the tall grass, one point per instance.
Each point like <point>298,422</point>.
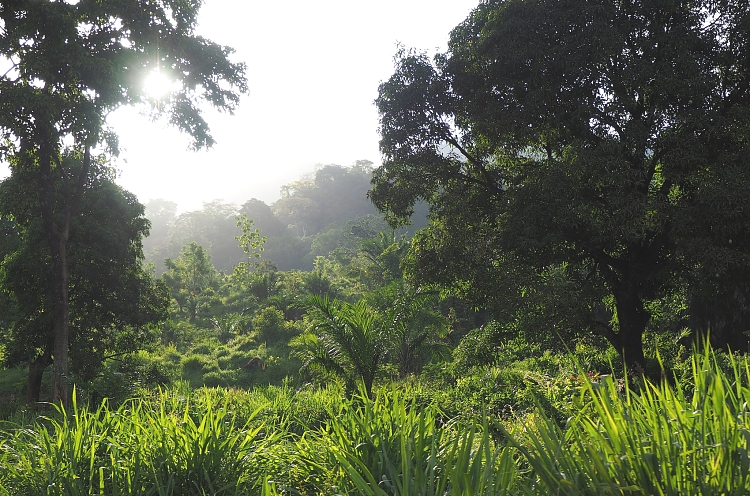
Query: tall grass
<point>170,447</point>
<point>686,437</point>
<point>389,446</point>
<point>683,439</point>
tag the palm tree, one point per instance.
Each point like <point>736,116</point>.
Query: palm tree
<point>414,327</point>
<point>346,340</point>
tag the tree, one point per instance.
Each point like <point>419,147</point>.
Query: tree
<point>270,325</point>
<point>214,227</point>
<point>251,241</point>
<point>72,63</point>
<point>597,148</point>
<point>161,213</point>
<point>263,217</point>
<point>334,194</point>
<point>189,277</point>
<point>346,341</point>
<point>412,323</point>
<point>113,299</point>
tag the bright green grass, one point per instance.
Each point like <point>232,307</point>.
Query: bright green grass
<point>171,446</point>
<point>684,439</point>
<point>688,438</point>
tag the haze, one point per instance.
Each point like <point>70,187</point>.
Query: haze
<point>313,72</point>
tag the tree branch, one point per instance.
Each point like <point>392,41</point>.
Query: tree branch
<point>488,180</point>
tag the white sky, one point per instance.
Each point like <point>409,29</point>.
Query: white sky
<point>313,69</point>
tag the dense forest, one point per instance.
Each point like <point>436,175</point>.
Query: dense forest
<point>544,288</point>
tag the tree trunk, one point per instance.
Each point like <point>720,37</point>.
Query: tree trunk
<point>57,244</point>
<point>36,370</point>
<point>61,331</point>
<point>57,230</point>
<point>632,318</point>
<point>193,309</point>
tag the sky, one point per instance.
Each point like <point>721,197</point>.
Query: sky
<point>313,70</point>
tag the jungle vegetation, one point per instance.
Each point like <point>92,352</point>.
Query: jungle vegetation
<point>542,290</point>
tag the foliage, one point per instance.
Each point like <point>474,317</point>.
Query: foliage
<point>113,299</point>
<point>334,194</point>
<point>346,340</point>
<point>318,281</point>
<point>166,447</point>
<point>229,326</point>
<point>12,384</point>
<point>414,327</point>
<point>214,227</point>
<point>191,279</point>
<point>251,243</point>
<point>313,218</point>
<point>579,160</point>
<point>388,446</point>
<point>686,436</point>
<point>71,64</point>
<point>662,440</point>
<point>271,327</point>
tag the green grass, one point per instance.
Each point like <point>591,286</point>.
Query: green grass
<point>171,446</point>
<point>389,446</point>
<point>683,439</point>
<point>686,437</point>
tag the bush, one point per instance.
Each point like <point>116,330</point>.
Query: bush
<point>192,364</point>
<point>222,378</point>
<point>235,359</point>
<point>270,325</point>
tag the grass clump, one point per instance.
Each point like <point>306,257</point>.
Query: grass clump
<point>166,446</point>
<point>390,446</point>
<point>666,439</point>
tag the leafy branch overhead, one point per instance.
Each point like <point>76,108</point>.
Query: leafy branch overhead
<point>75,63</point>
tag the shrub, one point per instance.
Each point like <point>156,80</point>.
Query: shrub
<point>222,378</point>
<point>192,364</point>
<point>270,325</point>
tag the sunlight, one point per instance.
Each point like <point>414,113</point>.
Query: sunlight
<point>158,85</point>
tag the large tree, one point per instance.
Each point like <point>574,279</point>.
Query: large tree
<point>113,299</point>
<point>67,65</point>
<point>591,154</point>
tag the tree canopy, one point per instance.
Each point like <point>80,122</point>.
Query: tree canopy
<point>113,299</point>
<point>71,63</point>
<point>587,154</point>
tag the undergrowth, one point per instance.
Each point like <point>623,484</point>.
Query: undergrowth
<point>687,436</point>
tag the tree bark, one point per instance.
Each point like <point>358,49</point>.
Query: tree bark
<point>60,392</point>
<point>57,241</point>
<point>632,318</point>
<point>36,370</point>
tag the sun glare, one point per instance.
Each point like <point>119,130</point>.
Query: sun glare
<point>158,84</point>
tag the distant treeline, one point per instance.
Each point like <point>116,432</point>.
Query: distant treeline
<point>313,217</point>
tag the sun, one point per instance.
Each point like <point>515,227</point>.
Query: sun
<point>158,85</point>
